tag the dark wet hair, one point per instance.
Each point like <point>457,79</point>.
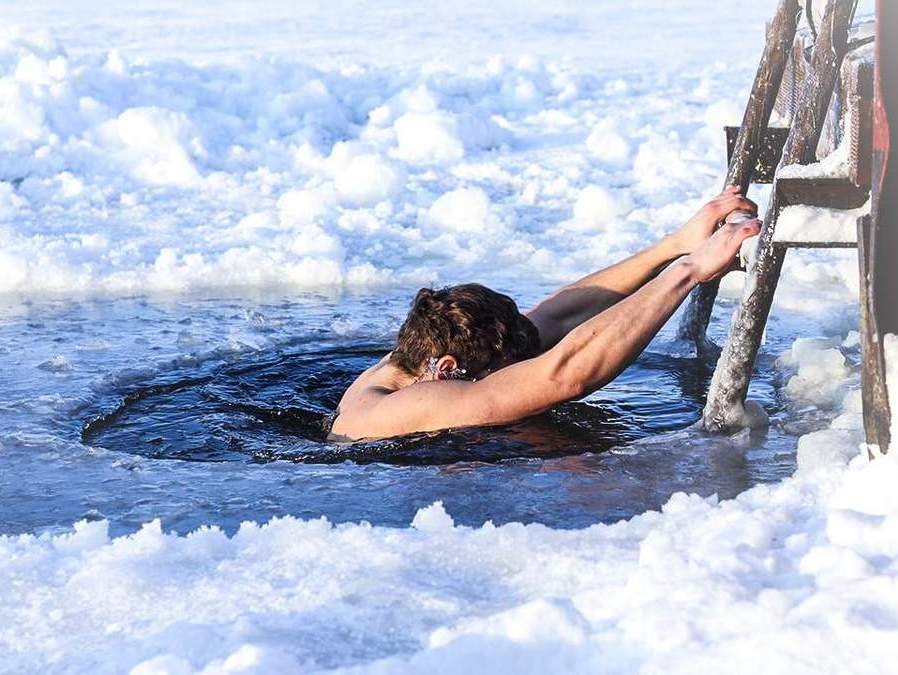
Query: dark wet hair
<point>481,328</point>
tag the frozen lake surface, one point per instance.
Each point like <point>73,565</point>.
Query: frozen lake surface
<point>213,214</point>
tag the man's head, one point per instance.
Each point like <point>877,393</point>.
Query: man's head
<point>466,328</point>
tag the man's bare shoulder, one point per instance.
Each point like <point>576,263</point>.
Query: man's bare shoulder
<point>377,412</point>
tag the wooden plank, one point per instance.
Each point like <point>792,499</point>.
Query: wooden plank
<point>874,394</point>
<point>780,37</point>
<point>831,193</point>
<point>859,121</point>
<point>729,384</point>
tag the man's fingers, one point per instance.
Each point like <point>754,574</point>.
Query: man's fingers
<point>740,203</point>
<point>745,229</point>
<point>745,204</point>
<point>733,234</point>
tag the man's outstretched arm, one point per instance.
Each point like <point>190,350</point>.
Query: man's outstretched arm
<point>590,356</point>
<point>575,303</point>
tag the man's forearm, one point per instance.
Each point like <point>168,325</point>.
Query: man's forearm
<point>630,274</point>
<point>575,303</point>
<point>598,350</point>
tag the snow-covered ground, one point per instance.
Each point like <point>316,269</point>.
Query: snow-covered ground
<point>172,148</point>
<point>549,141</point>
<point>798,577</point>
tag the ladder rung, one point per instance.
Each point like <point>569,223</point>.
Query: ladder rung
<point>815,244</point>
<point>830,192</point>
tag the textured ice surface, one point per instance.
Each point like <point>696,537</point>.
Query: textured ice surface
<point>288,155</point>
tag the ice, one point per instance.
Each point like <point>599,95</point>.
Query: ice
<point>694,586</point>
<point>131,167</point>
<point>608,145</point>
<point>834,165</point>
<point>827,447</point>
<point>173,148</point>
<point>57,363</point>
<point>822,371</point>
<point>154,144</point>
<point>598,207</point>
<point>428,138</point>
<point>365,180</point>
<point>465,210</point>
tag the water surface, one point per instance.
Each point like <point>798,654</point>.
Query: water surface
<point>205,411</point>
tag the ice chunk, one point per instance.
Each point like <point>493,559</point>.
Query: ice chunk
<point>822,370</point>
<point>155,144</point>
<point>827,447</point>
<point>463,210</point>
<point>599,207</point>
<point>56,364</point>
<point>433,519</point>
<point>367,179</point>
<point>607,145</point>
<point>428,138</point>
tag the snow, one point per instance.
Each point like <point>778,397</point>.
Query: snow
<point>821,371</point>
<point>244,160</point>
<point>799,572</point>
<point>834,165</point>
<point>608,145</point>
<point>598,207</point>
<point>465,211</point>
<point>327,146</point>
<point>816,224</point>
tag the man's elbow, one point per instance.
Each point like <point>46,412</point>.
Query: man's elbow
<point>572,373</point>
<point>569,384</point>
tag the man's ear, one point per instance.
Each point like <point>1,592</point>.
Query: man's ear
<point>445,365</point>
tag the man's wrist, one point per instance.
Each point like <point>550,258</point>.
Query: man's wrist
<point>672,246</point>
<point>686,270</point>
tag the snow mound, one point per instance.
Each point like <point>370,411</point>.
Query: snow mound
<point>599,207</point>
<point>821,371</point>
<point>464,210</point>
<point>693,587</point>
<point>607,145</point>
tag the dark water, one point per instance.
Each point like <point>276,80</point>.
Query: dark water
<point>272,407</point>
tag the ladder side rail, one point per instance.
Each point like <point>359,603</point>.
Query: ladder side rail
<point>766,86</point>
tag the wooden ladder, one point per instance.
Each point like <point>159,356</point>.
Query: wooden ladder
<point>793,187</point>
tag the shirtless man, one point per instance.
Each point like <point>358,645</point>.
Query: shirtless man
<point>466,356</point>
